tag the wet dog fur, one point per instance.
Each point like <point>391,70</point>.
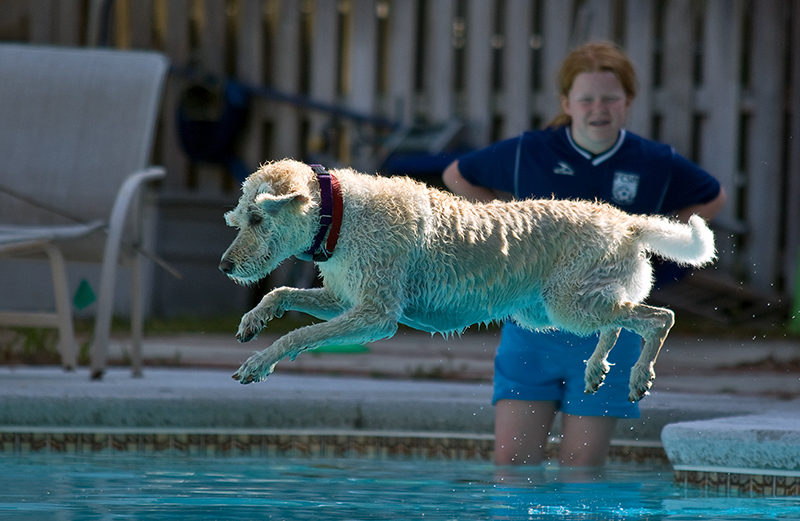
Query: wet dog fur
<point>414,255</point>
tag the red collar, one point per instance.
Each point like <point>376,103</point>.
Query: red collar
<point>330,215</point>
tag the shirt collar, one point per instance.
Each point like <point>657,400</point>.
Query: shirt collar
<point>596,160</point>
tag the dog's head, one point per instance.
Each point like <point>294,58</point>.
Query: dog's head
<point>273,220</point>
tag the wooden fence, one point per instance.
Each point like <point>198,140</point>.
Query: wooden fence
<point>719,79</point>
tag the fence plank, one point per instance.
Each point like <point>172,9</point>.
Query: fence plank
<point>69,22</point>
<point>722,88</point>
<point>120,34</point>
<point>401,56</point>
<point>140,17</point>
<point>250,42</point>
<point>250,69</point>
<point>177,48</point>
<point>286,62</point>
<point>517,70</point>
<point>363,74</point>
<point>212,38</point>
<point>557,21</point>
<point>364,50</point>
<point>322,86</point>
<point>478,78</point>
<point>324,51</point>
<point>639,46</point>
<point>764,162</point>
<point>438,81</point>
<point>41,20</point>
<point>594,22</point>
<point>93,22</point>
<point>678,79</point>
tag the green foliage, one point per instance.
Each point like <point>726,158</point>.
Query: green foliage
<point>29,346</point>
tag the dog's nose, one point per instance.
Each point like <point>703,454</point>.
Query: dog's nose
<point>226,266</point>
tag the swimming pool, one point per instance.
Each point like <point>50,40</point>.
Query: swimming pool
<point>144,487</point>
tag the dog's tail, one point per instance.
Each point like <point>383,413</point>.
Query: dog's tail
<point>687,244</point>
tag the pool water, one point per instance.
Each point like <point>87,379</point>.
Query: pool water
<point>144,487</point>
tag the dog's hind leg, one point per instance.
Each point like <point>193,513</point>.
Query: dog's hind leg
<point>361,324</point>
<point>597,367</point>
<point>653,324</point>
<point>318,302</point>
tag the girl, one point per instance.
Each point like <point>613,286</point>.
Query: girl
<point>585,153</point>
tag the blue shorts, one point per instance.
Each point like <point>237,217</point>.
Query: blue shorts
<point>550,367</point>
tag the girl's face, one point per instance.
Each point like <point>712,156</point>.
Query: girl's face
<point>598,107</point>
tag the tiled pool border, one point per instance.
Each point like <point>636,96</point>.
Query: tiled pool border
<point>253,443</point>
<point>282,442</point>
<point>741,482</point>
<point>355,444</point>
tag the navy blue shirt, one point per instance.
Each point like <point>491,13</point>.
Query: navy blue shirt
<point>636,174</point>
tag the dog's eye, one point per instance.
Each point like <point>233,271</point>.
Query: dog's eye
<point>255,219</point>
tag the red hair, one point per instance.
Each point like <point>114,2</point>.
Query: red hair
<point>594,57</point>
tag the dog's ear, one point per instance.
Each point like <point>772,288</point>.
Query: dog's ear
<point>272,204</point>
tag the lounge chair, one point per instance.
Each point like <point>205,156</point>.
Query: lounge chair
<point>76,133</point>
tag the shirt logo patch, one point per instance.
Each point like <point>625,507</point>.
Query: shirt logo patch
<point>625,186</point>
<point>563,169</point>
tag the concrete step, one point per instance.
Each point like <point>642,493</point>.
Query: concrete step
<point>756,444</point>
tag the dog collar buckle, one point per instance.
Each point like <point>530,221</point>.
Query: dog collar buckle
<point>330,215</point>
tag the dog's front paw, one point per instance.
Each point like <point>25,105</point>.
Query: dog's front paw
<point>595,375</point>
<point>642,378</point>
<point>248,329</point>
<point>254,321</point>
<point>255,369</point>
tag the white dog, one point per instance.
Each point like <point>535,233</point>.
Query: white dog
<point>410,254</point>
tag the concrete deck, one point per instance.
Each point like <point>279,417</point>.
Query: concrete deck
<point>377,391</point>
<point>685,365</point>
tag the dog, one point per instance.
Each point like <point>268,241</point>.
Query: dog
<point>406,253</point>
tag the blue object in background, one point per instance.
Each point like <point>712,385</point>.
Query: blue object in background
<point>210,121</point>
